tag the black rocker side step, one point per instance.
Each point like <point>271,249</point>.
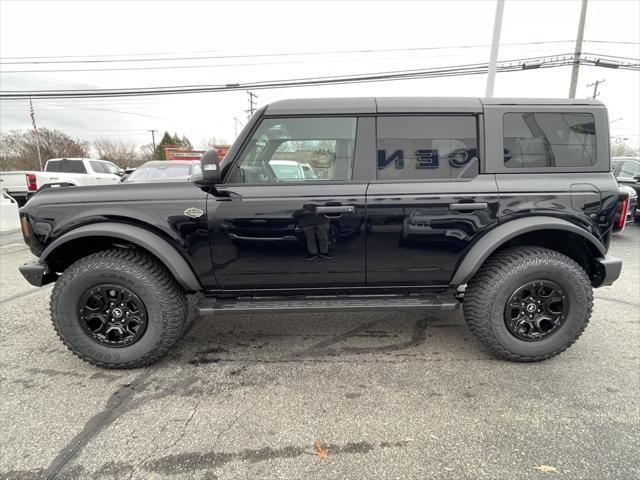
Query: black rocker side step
<point>209,306</point>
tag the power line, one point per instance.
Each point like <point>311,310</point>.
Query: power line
<point>250,55</point>
<point>458,70</point>
<point>200,66</point>
<point>255,55</point>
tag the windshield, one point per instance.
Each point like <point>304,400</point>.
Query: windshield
<point>159,172</point>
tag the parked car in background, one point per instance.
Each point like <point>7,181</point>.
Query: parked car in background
<point>14,184</point>
<point>287,170</point>
<point>630,210</point>
<point>164,171</point>
<point>73,172</point>
<point>627,171</point>
<point>309,173</point>
<point>127,172</point>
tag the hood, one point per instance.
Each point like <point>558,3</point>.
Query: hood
<point>119,192</point>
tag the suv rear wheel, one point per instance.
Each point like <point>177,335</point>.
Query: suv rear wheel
<point>118,308</point>
<point>528,304</point>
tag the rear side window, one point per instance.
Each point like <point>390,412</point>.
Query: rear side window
<point>427,148</point>
<point>629,169</point>
<point>98,167</point>
<point>66,166</point>
<point>539,140</point>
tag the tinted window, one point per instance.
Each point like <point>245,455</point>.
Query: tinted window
<point>427,147</point>
<point>65,166</point>
<point>537,140</point>
<point>298,150</point>
<point>629,169</point>
<point>98,167</point>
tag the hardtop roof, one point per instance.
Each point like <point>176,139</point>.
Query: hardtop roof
<point>369,105</point>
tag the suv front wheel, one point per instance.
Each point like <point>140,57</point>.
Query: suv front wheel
<point>528,304</point>
<point>118,308</point>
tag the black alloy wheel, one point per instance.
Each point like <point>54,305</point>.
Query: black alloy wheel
<point>536,310</point>
<point>112,315</point>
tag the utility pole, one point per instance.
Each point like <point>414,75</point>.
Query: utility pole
<point>578,51</point>
<point>153,138</point>
<point>495,44</point>
<point>35,129</point>
<point>595,87</point>
<point>252,104</point>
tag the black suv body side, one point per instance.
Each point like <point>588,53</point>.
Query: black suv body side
<point>409,197</point>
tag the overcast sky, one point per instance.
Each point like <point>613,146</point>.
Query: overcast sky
<point>156,29</point>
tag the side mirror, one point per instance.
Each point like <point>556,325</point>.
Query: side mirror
<point>120,172</point>
<point>636,177</point>
<point>210,164</point>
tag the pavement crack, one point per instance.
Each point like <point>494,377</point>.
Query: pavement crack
<point>183,431</point>
<point>615,300</point>
<point>232,423</point>
<point>116,405</point>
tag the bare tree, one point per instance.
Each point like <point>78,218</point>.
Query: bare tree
<point>18,148</point>
<point>622,149</point>
<point>212,142</point>
<point>121,153</point>
<point>146,152</point>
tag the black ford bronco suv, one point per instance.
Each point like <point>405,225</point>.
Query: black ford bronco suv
<point>346,204</point>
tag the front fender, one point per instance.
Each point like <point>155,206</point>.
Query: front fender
<point>498,236</point>
<point>150,241</point>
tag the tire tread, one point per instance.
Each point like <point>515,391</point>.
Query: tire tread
<point>137,263</point>
<point>496,269</point>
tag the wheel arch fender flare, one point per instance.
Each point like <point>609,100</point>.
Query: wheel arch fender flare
<point>497,237</point>
<point>152,242</point>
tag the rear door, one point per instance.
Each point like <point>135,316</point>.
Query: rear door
<point>272,227</point>
<point>429,201</point>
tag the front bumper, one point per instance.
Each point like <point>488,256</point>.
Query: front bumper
<point>36,273</point>
<point>607,269</point>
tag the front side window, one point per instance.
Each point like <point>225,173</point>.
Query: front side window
<point>538,140</point>
<point>111,168</point>
<point>427,148</point>
<point>298,150</point>
<point>98,167</point>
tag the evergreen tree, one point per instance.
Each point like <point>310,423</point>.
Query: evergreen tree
<point>171,140</point>
<point>167,140</point>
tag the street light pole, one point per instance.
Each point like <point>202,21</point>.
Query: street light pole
<point>495,44</point>
<point>578,51</point>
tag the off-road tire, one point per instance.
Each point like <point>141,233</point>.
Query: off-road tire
<point>488,291</point>
<point>163,298</point>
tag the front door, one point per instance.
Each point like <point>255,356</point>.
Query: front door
<point>288,214</point>
<point>428,202</point>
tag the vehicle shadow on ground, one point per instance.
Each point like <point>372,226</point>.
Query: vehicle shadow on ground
<point>326,337</point>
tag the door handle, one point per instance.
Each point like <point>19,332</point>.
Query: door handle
<point>337,209</point>
<point>465,207</point>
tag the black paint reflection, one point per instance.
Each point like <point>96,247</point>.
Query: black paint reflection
<point>288,241</point>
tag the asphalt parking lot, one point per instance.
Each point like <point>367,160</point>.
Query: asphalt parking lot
<point>364,395</point>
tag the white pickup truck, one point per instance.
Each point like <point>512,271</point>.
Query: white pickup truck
<point>74,171</point>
